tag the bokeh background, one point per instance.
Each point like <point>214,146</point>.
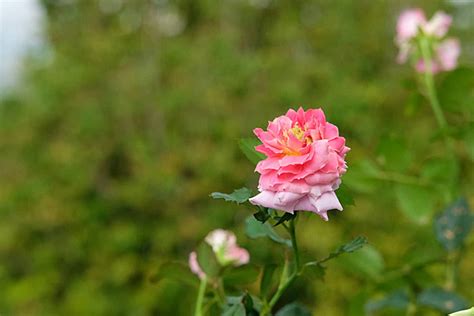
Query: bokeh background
<point>125,115</point>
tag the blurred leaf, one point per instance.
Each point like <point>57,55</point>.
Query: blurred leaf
<point>247,145</point>
<point>293,309</point>
<point>175,270</point>
<point>356,306</point>
<point>345,196</point>
<point>454,225</point>
<point>234,310</point>
<point>396,300</point>
<point>456,92</point>
<point>238,196</point>
<point>393,154</point>
<point>207,259</point>
<point>363,176</point>
<point>242,275</point>
<point>442,300</point>
<point>267,281</point>
<point>441,171</point>
<point>284,218</point>
<point>367,262</point>
<point>255,229</point>
<point>416,202</point>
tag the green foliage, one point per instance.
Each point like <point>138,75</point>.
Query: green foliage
<point>442,300</point>
<point>238,196</point>
<point>366,263</point>
<point>247,145</point>
<point>397,300</point>
<point>256,229</point>
<point>454,224</point>
<point>293,309</point>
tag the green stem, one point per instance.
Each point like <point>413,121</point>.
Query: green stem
<point>451,271</point>
<point>285,282</point>
<point>200,297</point>
<point>429,83</point>
<point>294,243</point>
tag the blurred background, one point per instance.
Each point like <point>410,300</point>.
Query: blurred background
<point>118,118</point>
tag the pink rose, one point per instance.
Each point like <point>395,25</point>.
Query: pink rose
<point>224,246</point>
<point>439,24</point>
<point>305,160</point>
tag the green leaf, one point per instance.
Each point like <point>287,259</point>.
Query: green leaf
<point>317,270</point>
<point>363,176</point>
<point>234,310</point>
<point>468,138</point>
<point>367,263</point>
<point>456,92</point>
<point>416,202</point>
<point>293,309</point>
<point>255,229</point>
<point>345,196</point>
<point>267,281</point>
<point>443,171</point>
<point>174,270</point>
<point>353,245</point>
<point>453,225</point>
<point>396,300</point>
<point>207,259</point>
<point>442,300</point>
<point>238,196</point>
<point>247,145</point>
<point>284,218</point>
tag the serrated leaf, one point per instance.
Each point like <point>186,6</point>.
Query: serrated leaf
<point>442,300</point>
<point>367,263</point>
<point>396,300</point>
<point>255,229</point>
<point>416,202</point>
<point>351,246</point>
<point>247,145</point>
<point>207,259</point>
<point>293,309</point>
<point>267,281</point>
<point>344,196</point>
<point>453,225</point>
<point>238,196</point>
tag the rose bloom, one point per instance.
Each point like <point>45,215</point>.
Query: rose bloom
<point>445,51</point>
<point>224,246</point>
<point>304,164</point>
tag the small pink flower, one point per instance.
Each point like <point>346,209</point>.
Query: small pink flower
<point>446,57</point>
<point>439,24</point>
<point>445,51</point>
<point>305,160</point>
<point>408,23</point>
<point>224,245</point>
